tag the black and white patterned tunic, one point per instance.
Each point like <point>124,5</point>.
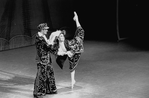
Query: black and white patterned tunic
<point>76,47</point>
<point>45,80</point>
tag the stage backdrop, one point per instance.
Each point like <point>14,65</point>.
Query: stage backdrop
<point>19,20</point>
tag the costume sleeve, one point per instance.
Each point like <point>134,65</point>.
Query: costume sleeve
<point>40,48</point>
<point>53,48</point>
<point>42,44</point>
<point>38,43</point>
<point>42,55</point>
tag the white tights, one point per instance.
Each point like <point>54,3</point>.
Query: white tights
<point>72,79</point>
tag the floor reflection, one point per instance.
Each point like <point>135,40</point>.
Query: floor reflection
<point>13,86</point>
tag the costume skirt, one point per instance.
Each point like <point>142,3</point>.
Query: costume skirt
<point>73,61</point>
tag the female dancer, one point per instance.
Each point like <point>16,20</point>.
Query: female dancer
<point>45,81</point>
<point>69,48</point>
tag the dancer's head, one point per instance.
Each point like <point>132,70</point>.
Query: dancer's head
<point>61,36</point>
<point>65,33</point>
<point>43,28</point>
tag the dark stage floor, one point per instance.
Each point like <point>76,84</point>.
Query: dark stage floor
<point>105,70</point>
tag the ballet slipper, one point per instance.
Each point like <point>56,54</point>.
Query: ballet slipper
<point>72,84</point>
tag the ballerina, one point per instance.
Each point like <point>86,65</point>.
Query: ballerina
<point>70,49</point>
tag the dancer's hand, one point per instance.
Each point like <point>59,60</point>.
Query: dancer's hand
<point>53,37</point>
<point>61,53</point>
<point>69,53</point>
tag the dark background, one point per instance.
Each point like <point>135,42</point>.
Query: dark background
<point>103,17</point>
<point>133,18</point>
<point>109,20</point>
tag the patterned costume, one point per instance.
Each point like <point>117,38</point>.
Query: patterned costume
<point>45,80</point>
<point>76,47</point>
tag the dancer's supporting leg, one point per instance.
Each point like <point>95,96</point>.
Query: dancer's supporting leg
<point>72,79</point>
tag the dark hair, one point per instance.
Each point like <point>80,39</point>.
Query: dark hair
<point>63,32</point>
<point>65,28</point>
<point>67,31</point>
<point>42,26</point>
